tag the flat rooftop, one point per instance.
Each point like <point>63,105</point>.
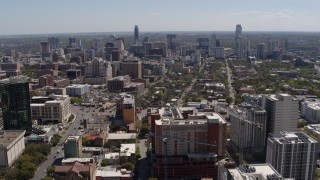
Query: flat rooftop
<point>119,136</point>
<point>9,137</point>
<point>81,160</point>
<point>127,149</point>
<point>254,171</point>
<point>294,138</point>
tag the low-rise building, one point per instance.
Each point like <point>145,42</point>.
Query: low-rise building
<point>71,161</point>
<point>127,152</point>
<point>73,147</point>
<point>61,82</point>
<point>118,83</point>
<point>310,110</point>
<point>126,108</point>
<point>47,90</point>
<point>113,173</point>
<point>75,171</point>
<point>313,129</point>
<point>11,146</point>
<point>78,89</point>
<point>112,158</point>
<point>45,80</point>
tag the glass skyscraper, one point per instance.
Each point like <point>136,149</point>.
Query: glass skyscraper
<point>15,104</point>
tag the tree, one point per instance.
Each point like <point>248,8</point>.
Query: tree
<point>128,166</point>
<point>104,162</point>
<point>138,156</point>
<point>50,171</point>
<point>71,117</point>
<point>229,99</point>
<point>74,100</point>
<point>302,123</point>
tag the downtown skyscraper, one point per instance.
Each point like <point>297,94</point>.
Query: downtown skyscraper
<point>15,103</point>
<point>136,34</point>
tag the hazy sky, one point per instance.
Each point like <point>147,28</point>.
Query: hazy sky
<point>62,16</point>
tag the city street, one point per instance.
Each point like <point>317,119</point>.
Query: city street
<point>143,165</point>
<point>229,74</point>
<point>189,88</point>
<point>72,130</point>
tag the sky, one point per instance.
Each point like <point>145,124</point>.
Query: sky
<point>72,16</point>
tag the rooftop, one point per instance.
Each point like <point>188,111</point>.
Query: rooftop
<point>78,85</point>
<point>127,149</point>
<point>111,156</point>
<point>110,172</point>
<point>254,172</point>
<point>73,137</point>
<point>81,160</point>
<point>294,138</point>
<point>14,79</point>
<point>118,136</point>
<point>9,137</point>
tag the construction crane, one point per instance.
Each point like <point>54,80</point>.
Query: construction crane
<point>165,140</point>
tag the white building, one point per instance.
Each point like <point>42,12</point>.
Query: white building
<point>98,68</point>
<point>54,108</point>
<point>293,155</point>
<point>112,158</point>
<point>282,113</point>
<point>252,172</point>
<point>78,89</point>
<point>127,150</point>
<point>310,110</point>
<point>313,129</point>
<point>219,53</point>
<point>11,146</point>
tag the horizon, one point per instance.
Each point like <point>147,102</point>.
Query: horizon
<point>146,32</point>
<point>42,17</point>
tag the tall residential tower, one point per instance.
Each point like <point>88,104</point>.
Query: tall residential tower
<point>15,103</point>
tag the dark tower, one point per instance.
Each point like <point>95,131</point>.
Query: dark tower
<point>15,104</point>
<point>136,34</point>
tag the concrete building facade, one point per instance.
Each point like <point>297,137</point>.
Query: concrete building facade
<point>293,155</point>
<point>54,109</point>
<point>282,113</point>
<point>11,146</point>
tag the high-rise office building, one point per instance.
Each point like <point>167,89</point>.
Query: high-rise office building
<point>98,68</point>
<point>282,113</point>
<point>136,34</point>
<point>285,44</point>
<point>213,40</point>
<point>248,127</point>
<point>91,54</point>
<point>54,42</point>
<point>132,66</point>
<point>72,42</point>
<point>261,51</point>
<point>171,41</point>
<point>238,32</point>
<point>242,44</point>
<point>15,104</point>
<point>45,49</point>
<point>293,155</point>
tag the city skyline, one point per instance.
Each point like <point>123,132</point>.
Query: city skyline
<point>40,17</point>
